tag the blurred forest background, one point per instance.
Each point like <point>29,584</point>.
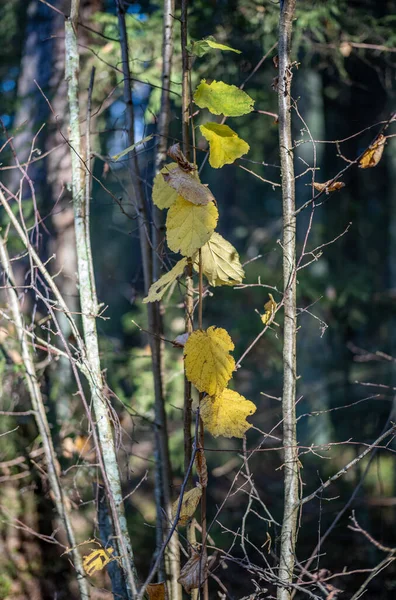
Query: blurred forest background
<point>344,85</point>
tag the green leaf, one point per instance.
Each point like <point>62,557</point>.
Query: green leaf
<point>220,262</point>
<point>223,99</point>
<point>130,148</point>
<point>202,47</point>
<point>225,145</point>
<point>159,287</point>
<point>213,44</point>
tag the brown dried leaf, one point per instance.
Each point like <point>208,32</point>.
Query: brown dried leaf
<point>202,469</point>
<point>328,186</point>
<point>373,154</point>
<point>189,505</point>
<point>177,155</point>
<point>194,572</point>
<point>156,591</point>
<point>189,187</point>
<point>275,60</point>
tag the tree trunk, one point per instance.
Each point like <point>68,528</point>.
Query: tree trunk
<point>290,466</point>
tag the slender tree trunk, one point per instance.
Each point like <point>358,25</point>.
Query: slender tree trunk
<point>163,130</point>
<point>90,308</point>
<point>62,503</point>
<point>290,467</point>
<point>162,463</point>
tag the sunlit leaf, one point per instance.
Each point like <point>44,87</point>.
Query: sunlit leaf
<point>188,186</point>
<point>163,195</point>
<point>220,262</point>
<point>97,560</point>
<point>130,148</point>
<point>216,46</point>
<point>225,145</point>
<point>159,288</point>
<point>225,414</point>
<point>329,186</point>
<point>156,591</point>
<point>189,505</point>
<point>201,47</point>
<point>223,99</point>
<point>189,227</point>
<point>373,154</point>
<point>194,572</point>
<point>270,308</point>
<point>209,366</point>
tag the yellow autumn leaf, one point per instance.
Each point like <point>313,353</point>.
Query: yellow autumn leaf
<point>189,505</point>
<point>160,287</point>
<point>163,195</point>
<point>209,366</point>
<point>225,414</point>
<point>223,99</point>
<point>225,145</point>
<point>189,227</point>
<point>220,262</point>
<point>188,186</point>
<point>373,154</point>
<point>270,308</point>
<point>156,591</point>
<point>97,560</point>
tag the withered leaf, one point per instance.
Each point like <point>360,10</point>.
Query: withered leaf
<point>194,572</point>
<point>329,186</point>
<point>180,340</point>
<point>189,505</point>
<point>177,155</point>
<point>373,154</point>
<point>156,591</point>
<point>188,186</point>
<point>202,469</point>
